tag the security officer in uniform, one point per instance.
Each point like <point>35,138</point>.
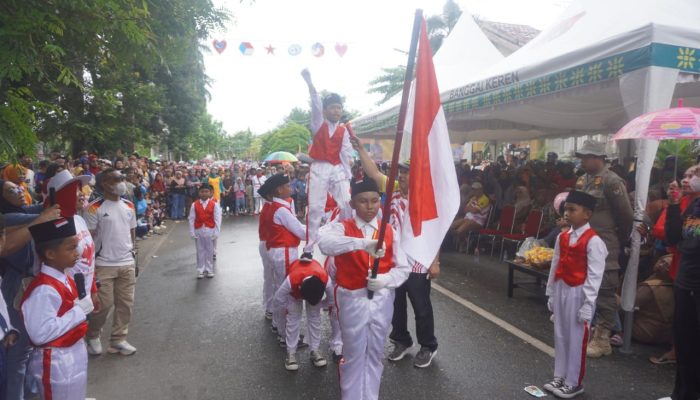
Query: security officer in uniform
<point>612,220</point>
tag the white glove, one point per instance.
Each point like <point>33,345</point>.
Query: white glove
<point>376,284</point>
<point>85,304</point>
<point>550,304</point>
<point>370,248</point>
<point>585,314</point>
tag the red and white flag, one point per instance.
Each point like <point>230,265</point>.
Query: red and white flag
<point>433,190</point>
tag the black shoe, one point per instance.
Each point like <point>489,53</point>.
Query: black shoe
<point>337,358</point>
<point>306,257</point>
<point>424,357</point>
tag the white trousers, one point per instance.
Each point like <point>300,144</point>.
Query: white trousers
<point>259,201</point>
<point>324,178</point>
<point>66,375</point>
<point>335,342</point>
<point>570,335</point>
<point>280,258</point>
<point>292,324</point>
<point>364,325</point>
<point>268,292</point>
<point>205,244</point>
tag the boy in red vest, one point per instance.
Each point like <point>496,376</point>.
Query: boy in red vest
<point>330,170</point>
<point>205,226</point>
<point>263,228</point>
<point>364,323</point>
<point>284,235</point>
<point>54,316</point>
<point>574,279</point>
<point>306,282</point>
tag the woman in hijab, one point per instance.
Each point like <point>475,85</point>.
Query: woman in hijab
<point>17,175</point>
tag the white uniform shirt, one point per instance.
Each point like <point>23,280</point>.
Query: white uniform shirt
<point>257,182</point>
<point>86,248</point>
<point>217,216</point>
<point>333,242</point>
<point>283,216</point>
<point>596,252</point>
<point>317,120</point>
<point>40,311</point>
<point>113,222</point>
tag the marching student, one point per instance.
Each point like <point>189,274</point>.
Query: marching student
<point>417,286</point>
<point>54,316</point>
<point>205,227</point>
<point>306,283</point>
<point>263,230</point>
<point>284,235</point>
<point>574,279</point>
<point>364,323</point>
<point>331,152</point>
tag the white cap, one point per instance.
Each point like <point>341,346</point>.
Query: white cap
<point>63,178</point>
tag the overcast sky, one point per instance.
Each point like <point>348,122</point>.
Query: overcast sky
<point>258,90</point>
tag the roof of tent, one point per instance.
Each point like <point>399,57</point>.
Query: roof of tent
<point>566,81</point>
<point>465,52</point>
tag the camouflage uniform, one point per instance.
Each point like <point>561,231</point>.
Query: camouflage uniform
<point>612,220</point>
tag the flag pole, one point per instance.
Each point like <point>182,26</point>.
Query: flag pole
<point>389,188</point>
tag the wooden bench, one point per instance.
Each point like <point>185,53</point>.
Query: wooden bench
<point>535,286</point>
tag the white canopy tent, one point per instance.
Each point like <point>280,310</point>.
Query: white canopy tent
<point>580,76</point>
<point>601,64</point>
<point>465,52</point>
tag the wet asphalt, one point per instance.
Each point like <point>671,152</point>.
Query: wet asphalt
<point>208,339</point>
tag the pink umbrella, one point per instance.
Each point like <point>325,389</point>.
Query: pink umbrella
<point>671,124</point>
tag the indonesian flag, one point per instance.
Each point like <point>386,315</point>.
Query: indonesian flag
<point>433,190</point>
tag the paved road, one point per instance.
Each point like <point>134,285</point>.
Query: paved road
<point>208,339</point>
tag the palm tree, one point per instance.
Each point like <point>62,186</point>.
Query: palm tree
<point>439,27</point>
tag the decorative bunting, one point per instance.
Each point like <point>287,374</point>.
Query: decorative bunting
<point>341,48</point>
<point>317,50</point>
<point>294,50</point>
<point>246,48</point>
<point>219,45</point>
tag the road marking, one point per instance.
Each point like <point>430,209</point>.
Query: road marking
<point>536,343</point>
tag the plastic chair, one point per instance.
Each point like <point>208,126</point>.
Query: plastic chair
<point>489,218</point>
<point>533,224</point>
<point>505,226</point>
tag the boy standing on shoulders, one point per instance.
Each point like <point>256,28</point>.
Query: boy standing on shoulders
<point>364,323</point>
<point>574,279</point>
<point>331,152</point>
<point>54,316</point>
<point>205,226</point>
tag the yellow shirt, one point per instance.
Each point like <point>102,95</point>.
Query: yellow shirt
<point>382,184</point>
<point>215,184</point>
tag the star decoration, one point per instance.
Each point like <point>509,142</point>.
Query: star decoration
<point>270,50</point>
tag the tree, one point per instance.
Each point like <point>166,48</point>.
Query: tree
<point>290,137</point>
<point>390,82</point>
<point>104,74</point>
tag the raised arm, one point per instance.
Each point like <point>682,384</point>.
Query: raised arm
<point>316,105</point>
<point>368,164</point>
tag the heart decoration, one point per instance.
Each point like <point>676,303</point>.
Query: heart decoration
<point>219,45</point>
<point>341,48</point>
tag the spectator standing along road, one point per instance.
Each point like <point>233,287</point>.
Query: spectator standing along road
<point>612,220</point>
<point>112,222</point>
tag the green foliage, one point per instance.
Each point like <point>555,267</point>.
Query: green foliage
<point>684,149</point>
<point>390,82</point>
<point>290,137</point>
<point>103,75</point>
